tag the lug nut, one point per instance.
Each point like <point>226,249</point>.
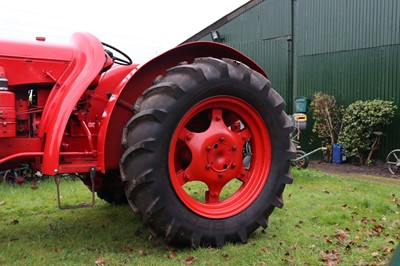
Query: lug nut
<point>208,166</point>
<point>233,165</point>
<point>208,148</point>
<point>186,178</point>
<point>234,147</point>
<point>220,175</point>
<point>218,117</point>
<point>222,139</point>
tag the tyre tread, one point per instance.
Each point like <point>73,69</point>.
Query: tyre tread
<point>150,113</point>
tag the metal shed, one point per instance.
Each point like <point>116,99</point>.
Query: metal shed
<point>346,48</point>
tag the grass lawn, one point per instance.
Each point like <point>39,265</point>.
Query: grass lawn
<point>326,220</point>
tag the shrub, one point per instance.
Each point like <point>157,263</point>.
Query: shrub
<point>328,120</point>
<point>363,125</point>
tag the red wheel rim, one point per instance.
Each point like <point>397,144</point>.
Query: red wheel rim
<point>208,147</point>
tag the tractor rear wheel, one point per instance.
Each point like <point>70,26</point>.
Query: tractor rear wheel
<point>186,147</point>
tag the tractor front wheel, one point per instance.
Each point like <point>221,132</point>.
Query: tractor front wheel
<point>188,170</point>
<point>110,188</point>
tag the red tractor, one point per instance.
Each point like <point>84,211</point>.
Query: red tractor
<point>195,140</point>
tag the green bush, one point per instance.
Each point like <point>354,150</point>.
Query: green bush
<point>363,125</point>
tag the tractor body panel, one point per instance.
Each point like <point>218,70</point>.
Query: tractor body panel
<point>74,104</point>
<point>58,76</point>
<point>140,78</point>
<point>142,133</point>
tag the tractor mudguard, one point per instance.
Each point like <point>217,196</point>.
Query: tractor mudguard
<point>120,106</point>
<point>86,63</point>
<point>71,68</point>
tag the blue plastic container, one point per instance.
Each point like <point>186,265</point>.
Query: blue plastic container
<point>337,154</point>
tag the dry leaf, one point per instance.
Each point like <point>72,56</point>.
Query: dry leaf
<point>375,254</point>
<point>172,255</point>
<point>58,250</point>
<point>142,252</point>
<point>128,249</point>
<point>289,260</point>
<point>190,260</point>
<point>100,261</point>
<point>330,257</point>
<point>225,256</point>
<point>327,239</point>
<point>2,202</point>
<point>266,250</point>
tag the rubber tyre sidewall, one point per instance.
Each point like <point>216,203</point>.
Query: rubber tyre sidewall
<point>191,222</point>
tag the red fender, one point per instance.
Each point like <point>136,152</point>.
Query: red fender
<point>86,63</point>
<point>118,110</point>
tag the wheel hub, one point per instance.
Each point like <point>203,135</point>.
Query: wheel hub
<point>220,156</point>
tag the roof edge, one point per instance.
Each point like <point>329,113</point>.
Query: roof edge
<point>234,14</point>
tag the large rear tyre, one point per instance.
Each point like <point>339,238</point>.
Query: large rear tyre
<point>185,150</point>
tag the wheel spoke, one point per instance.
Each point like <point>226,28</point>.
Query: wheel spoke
<point>245,134</point>
<point>244,175</point>
<point>397,170</point>
<point>181,177</point>
<point>184,134</point>
<point>216,114</point>
<point>212,195</point>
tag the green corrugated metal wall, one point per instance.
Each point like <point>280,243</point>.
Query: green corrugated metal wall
<point>346,48</point>
<point>350,49</point>
<point>253,34</point>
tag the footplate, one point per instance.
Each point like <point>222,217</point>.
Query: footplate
<point>57,179</point>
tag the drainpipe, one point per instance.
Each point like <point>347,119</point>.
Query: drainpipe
<point>293,56</point>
